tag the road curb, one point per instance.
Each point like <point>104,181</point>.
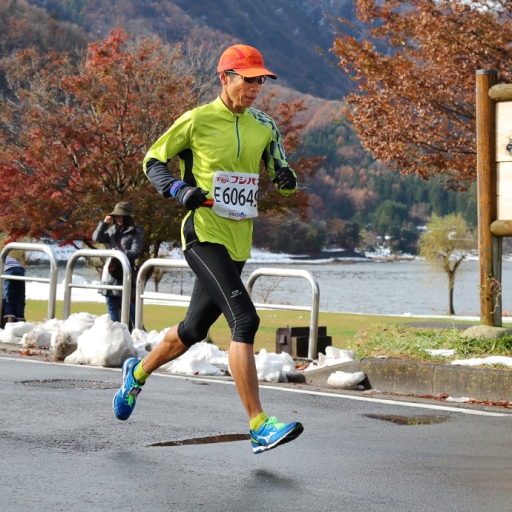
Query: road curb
<point>413,377</point>
<point>386,375</point>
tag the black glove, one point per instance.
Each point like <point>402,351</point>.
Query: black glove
<point>191,197</point>
<point>285,179</point>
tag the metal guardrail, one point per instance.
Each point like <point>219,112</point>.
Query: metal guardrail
<point>313,324</point>
<point>125,287</point>
<point>20,246</point>
<point>140,294</point>
<point>140,283</point>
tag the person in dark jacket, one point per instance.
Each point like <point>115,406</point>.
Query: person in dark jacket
<point>13,305</point>
<point>119,232</point>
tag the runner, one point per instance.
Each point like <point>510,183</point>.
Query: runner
<point>220,146</point>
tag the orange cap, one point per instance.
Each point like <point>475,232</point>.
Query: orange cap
<point>245,60</point>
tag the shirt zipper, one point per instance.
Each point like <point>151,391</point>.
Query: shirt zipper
<point>237,138</point>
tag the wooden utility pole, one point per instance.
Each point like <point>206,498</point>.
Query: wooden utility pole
<point>488,245</point>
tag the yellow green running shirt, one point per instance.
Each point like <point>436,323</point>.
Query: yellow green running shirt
<point>211,138</point>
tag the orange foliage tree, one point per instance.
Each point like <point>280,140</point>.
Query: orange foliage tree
<point>414,65</point>
<point>73,139</point>
<point>270,201</point>
<point>275,211</point>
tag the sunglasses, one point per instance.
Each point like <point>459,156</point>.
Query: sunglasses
<point>260,79</point>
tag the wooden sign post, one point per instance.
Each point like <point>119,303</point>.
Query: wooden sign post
<point>494,168</point>
<point>486,178</point>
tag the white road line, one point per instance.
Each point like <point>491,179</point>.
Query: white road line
<point>360,398</point>
<point>394,402</point>
<point>474,412</point>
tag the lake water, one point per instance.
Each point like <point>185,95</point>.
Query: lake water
<point>394,288</point>
<point>401,287</point>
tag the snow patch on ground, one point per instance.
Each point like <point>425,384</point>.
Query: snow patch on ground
<point>440,352</point>
<point>459,400</point>
<point>271,367</point>
<point>332,356</point>
<point>198,360</point>
<point>98,341</point>
<point>106,343</point>
<point>344,380</point>
<point>491,360</point>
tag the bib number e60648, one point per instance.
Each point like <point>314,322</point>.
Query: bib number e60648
<point>235,195</point>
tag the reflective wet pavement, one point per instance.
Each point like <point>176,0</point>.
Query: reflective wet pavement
<point>62,449</point>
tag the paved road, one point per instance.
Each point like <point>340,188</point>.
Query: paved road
<point>62,449</point>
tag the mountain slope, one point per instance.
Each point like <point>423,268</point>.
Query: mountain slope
<point>286,31</point>
<point>23,25</point>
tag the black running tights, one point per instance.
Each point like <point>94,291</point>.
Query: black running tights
<point>218,289</point>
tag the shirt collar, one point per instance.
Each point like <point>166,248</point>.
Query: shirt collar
<point>221,107</point>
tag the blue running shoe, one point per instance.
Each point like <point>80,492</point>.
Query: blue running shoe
<point>124,400</point>
<point>272,433</point>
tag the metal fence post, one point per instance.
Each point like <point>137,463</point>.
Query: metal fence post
<point>140,295</point>
<point>313,324</point>
<point>96,253</point>
<point>147,266</point>
<point>20,246</point>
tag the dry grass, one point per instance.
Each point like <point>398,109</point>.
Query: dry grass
<point>368,335</point>
<point>407,342</point>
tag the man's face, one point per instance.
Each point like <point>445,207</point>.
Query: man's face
<point>237,94</point>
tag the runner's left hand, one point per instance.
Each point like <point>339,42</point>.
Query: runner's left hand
<point>285,179</point>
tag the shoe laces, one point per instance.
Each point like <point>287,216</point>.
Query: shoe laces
<point>274,422</point>
<point>132,395</point>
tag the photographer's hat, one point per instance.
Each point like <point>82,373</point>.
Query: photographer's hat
<point>122,208</point>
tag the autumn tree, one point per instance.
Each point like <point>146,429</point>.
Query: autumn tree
<point>445,245</point>
<point>270,201</point>
<point>413,64</point>
<point>280,224</point>
<point>73,138</point>
<point>342,234</point>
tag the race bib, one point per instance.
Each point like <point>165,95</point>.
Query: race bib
<point>235,195</point>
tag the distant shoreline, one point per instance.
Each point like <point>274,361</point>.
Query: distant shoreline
<point>349,256</point>
<point>261,256</point>
<point>323,255</point>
